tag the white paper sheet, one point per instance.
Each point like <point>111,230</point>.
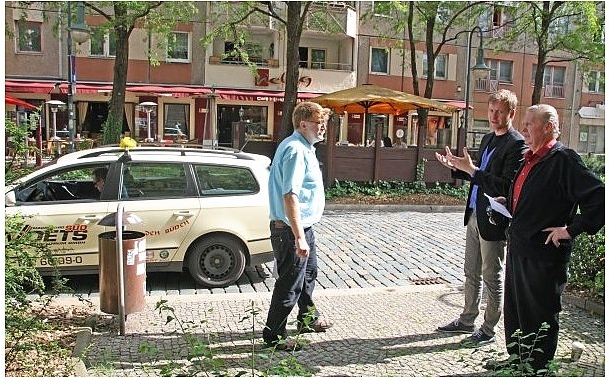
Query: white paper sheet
<point>495,205</point>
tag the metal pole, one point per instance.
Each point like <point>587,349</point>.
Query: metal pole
<point>71,80</point>
<point>462,138</point>
<point>148,111</point>
<point>54,111</point>
<point>121,282</point>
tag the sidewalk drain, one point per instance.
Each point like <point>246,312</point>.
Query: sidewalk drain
<point>429,281</point>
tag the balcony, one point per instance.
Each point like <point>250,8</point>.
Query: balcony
<point>486,85</point>
<point>551,91</point>
<point>330,18</point>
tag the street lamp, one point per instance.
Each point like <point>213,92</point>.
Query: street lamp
<point>78,32</point>
<point>148,107</point>
<point>55,105</point>
<point>480,69</point>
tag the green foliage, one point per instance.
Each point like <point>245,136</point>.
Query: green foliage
<point>204,359</point>
<point>587,265</point>
<point>112,130</point>
<point>520,365</point>
<point>23,322</point>
<point>18,137</point>
<point>392,189</point>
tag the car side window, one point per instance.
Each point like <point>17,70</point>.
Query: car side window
<point>215,180</point>
<point>67,184</point>
<point>154,180</point>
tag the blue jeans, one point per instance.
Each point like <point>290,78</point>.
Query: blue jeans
<point>295,284</point>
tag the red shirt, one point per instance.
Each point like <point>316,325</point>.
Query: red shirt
<point>531,159</point>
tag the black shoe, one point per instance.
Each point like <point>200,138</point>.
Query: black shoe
<point>456,326</point>
<point>478,338</point>
<point>317,326</point>
<point>284,345</point>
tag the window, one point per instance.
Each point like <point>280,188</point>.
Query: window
<point>597,81</point>
<point>69,184</point>
<point>233,54</point>
<point>382,8</point>
<point>102,42</point>
<point>554,81</point>
<point>216,180</point>
<point>312,57</point>
<point>379,60</point>
<point>176,121</point>
<point>591,139</point>
<point>178,47</point>
<point>318,58</point>
<point>501,70</point>
<point>155,180</point>
<point>28,36</point>
<point>440,66</point>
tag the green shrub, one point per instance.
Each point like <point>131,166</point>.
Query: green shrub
<point>587,264</point>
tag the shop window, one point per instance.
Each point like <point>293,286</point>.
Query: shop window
<point>29,36</point>
<point>254,118</point>
<point>176,125</point>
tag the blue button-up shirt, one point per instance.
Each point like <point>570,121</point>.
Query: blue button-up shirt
<point>296,169</point>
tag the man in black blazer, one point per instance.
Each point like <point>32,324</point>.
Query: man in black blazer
<point>500,153</point>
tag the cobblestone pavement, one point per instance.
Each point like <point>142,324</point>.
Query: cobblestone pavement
<point>356,249</point>
<point>387,280</point>
<point>378,332</point>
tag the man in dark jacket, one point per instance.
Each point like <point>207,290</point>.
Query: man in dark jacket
<point>499,156</point>
<point>553,199</point>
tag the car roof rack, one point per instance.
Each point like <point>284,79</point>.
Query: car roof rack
<point>181,149</point>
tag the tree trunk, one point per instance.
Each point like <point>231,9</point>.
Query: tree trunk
<point>294,28</point>
<point>114,127</point>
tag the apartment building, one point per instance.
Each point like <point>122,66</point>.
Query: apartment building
<point>208,94</point>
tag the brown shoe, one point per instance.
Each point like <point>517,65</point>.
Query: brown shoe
<point>317,326</point>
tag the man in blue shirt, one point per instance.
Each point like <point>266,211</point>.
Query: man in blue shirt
<point>296,200</point>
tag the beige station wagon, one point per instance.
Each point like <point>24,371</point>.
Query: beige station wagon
<point>202,210</point>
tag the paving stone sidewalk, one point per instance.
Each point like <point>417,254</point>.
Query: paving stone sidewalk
<point>378,332</point>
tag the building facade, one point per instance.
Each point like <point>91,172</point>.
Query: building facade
<point>206,94</point>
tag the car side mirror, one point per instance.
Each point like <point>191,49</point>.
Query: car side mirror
<point>10,199</point>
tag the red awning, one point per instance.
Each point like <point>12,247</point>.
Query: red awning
<point>11,100</point>
<point>259,95</point>
<point>46,87</point>
<point>176,91</point>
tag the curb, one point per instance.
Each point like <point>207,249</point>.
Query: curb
<point>584,304</point>
<point>395,208</point>
<point>83,339</point>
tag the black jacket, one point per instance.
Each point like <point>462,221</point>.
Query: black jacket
<point>495,180</point>
<point>558,191</point>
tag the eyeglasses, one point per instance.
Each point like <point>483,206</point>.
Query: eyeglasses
<point>319,123</point>
<point>490,213</point>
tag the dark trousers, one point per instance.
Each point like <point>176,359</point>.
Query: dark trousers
<point>295,284</point>
<point>532,296</point>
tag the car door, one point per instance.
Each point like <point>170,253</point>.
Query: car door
<point>62,209</point>
<point>162,195</point>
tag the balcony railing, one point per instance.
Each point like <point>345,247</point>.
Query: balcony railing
<point>487,85</point>
<point>551,91</point>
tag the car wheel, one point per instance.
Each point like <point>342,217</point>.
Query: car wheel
<point>216,261</point>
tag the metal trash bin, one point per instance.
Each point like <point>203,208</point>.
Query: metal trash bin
<point>134,268</point>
